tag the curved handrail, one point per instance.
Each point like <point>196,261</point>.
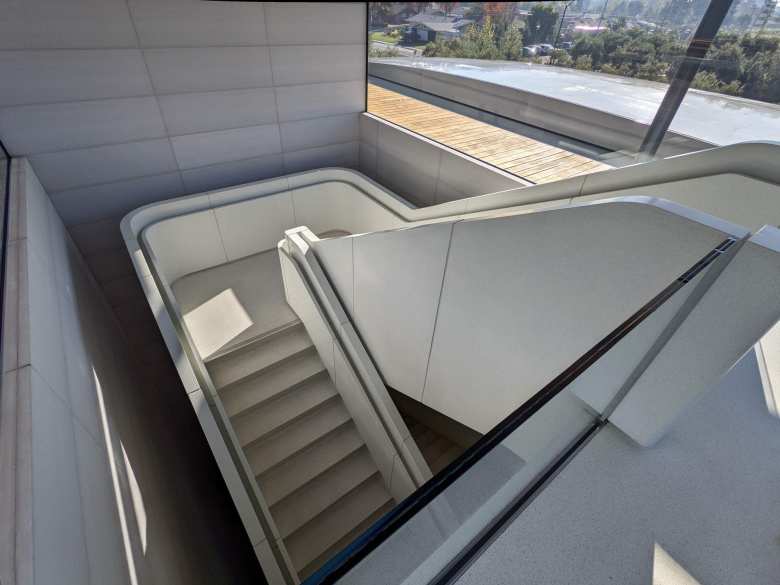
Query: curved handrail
<point>753,159</point>
<point>383,528</point>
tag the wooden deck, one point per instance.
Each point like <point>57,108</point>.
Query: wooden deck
<point>527,158</point>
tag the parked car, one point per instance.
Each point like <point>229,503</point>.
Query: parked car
<point>546,49</point>
<point>530,51</point>
<point>567,45</point>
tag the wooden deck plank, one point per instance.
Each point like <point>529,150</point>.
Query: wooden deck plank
<point>522,156</point>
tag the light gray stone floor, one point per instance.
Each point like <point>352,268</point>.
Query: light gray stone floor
<point>702,506</point>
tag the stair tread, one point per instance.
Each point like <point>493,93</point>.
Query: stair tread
<point>308,463</point>
<point>326,489</point>
<point>277,447</point>
<point>243,362</point>
<point>435,449</point>
<point>335,522</point>
<point>345,540</point>
<point>419,431</point>
<point>253,424</point>
<point>424,439</point>
<point>255,390</point>
<point>446,458</point>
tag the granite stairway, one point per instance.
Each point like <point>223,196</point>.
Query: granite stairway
<point>313,468</point>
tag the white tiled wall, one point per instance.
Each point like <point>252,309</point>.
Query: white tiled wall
<point>99,499</point>
<point>121,102</point>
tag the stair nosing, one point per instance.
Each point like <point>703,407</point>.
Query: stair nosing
<point>321,473</point>
<point>333,431</point>
<point>256,340</point>
<point>307,570</point>
<point>266,369</point>
<point>291,421</point>
<point>280,394</point>
<point>343,496</point>
<point>351,528</point>
<point>435,463</point>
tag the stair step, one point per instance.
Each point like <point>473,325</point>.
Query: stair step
<point>294,437</point>
<point>343,542</point>
<point>255,423</point>
<point>326,489</point>
<point>307,464</point>
<point>436,449</point>
<point>446,458</point>
<point>417,430</point>
<point>255,390</point>
<point>425,439</point>
<point>321,533</point>
<point>258,355</point>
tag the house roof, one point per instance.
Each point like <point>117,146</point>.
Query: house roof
<point>424,17</point>
<point>439,26</point>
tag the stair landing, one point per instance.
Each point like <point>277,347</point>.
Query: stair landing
<point>231,304</point>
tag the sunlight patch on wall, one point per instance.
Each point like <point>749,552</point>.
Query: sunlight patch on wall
<point>137,499</point>
<point>132,573</point>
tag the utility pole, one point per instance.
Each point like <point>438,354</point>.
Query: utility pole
<point>560,26</point>
<point>601,18</point>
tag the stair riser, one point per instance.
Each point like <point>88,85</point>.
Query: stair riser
<point>304,466</point>
<point>337,521</point>
<point>257,390</point>
<point>251,431</point>
<point>225,381</point>
<point>265,456</point>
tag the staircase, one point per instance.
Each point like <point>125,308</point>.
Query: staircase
<point>437,450</point>
<point>311,465</point>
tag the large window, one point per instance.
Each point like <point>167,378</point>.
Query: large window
<point>548,90</point>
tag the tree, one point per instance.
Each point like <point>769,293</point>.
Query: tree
<point>561,58</point>
<point>635,8</point>
<point>676,12</point>
<point>476,12</point>
<point>416,7</point>
<point>448,7</point>
<point>725,61</point>
<point>479,42</point>
<point>619,9</point>
<point>588,46</point>
<point>708,81</point>
<point>584,62</point>
<point>378,12</point>
<point>511,44</point>
<point>540,24</point>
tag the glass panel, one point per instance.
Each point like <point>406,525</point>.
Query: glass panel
<point>543,90</point>
<point>431,539</point>
<point>735,96</point>
<point>5,167</point>
<point>429,532</point>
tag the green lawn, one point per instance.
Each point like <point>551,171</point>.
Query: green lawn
<point>379,36</point>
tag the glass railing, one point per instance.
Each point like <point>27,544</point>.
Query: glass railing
<point>434,532</point>
<point>5,186</point>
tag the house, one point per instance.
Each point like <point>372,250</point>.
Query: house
<point>431,28</point>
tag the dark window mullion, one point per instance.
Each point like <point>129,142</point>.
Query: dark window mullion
<point>695,54</point>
